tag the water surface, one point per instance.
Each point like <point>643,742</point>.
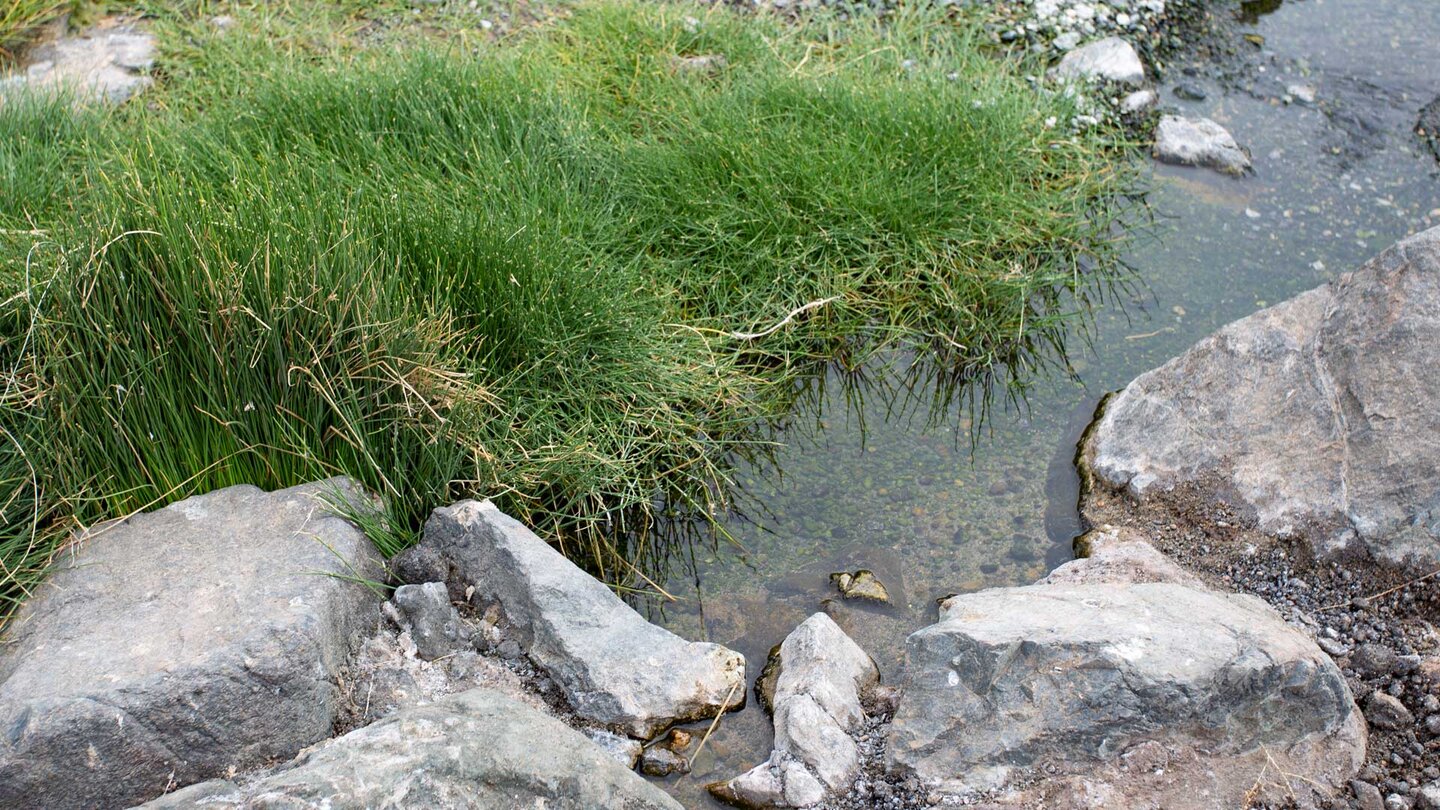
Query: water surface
<point>957,504</point>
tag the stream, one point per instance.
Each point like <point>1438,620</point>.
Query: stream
<point>971,500</point>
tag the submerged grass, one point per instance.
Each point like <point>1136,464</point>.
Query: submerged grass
<point>566,270</point>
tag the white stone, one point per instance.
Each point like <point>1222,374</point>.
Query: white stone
<point>1111,59</point>
<point>1199,142</point>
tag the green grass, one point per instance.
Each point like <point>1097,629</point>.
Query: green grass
<point>520,269</point>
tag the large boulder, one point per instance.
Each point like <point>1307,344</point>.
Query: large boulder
<point>180,643</point>
<point>616,668</point>
<point>821,676</point>
<point>1081,679</point>
<point>1317,417</point>
<point>476,749</point>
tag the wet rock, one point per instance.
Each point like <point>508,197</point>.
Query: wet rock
<point>1060,679</point>
<point>1190,91</point>
<point>615,668</point>
<point>1387,712</point>
<point>765,684</point>
<point>1111,59</point>
<point>625,750</point>
<point>433,622</point>
<point>861,585</point>
<point>107,66</point>
<point>1428,126</point>
<point>659,760</point>
<point>182,642</point>
<point>1199,142</point>
<point>823,678</point>
<point>1303,416</point>
<point>1111,554</point>
<point>473,749</point>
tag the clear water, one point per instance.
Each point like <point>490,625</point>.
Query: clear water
<point>930,512</point>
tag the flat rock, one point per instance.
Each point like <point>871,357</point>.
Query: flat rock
<point>1310,418</point>
<point>104,65</point>
<point>1065,680</point>
<point>820,681</point>
<point>182,642</point>
<point>1111,59</point>
<point>475,749</point>
<point>1118,554</point>
<point>616,669</point>
<point>1199,142</point>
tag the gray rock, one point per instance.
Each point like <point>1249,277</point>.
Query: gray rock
<point>433,622</point>
<point>1427,797</point>
<point>625,750</point>
<point>1373,660</point>
<point>1199,142</point>
<point>1061,679</point>
<point>1367,796</point>
<point>1387,712</point>
<point>419,564</point>
<point>1304,93</point>
<point>476,749</point>
<point>1111,554</point>
<point>200,794</point>
<point>822,679</point>
<point>1397,802</point>
<point>1138,101</point>
<point>181,642</point>
<point>1190,91</point>
<point>105,66</point>
<point>1111,59</point>
<point>657,760</point>
<point>616,668</point>
<point>1303,416</point>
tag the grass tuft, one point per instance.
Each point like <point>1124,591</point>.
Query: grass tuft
<point>558,270</point>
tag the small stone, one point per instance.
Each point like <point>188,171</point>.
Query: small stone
<point>1386,712</point>
<point>1367,796</point>
<point>1397,802</point>
<point>1301,92</point>
<point>1432,724</point>
<point>1067,41</point>
<point>1110,60</point>
<point>1138,101</point>
<point>433,622</point>
<point>661,761</point>
<point>1372,660</point>
<point>678,740</point>
<point>1333,647</point>
<point>1199,142</point>
<point>1190,91</point>
<point>1427,797</point>
<point>861,585</point>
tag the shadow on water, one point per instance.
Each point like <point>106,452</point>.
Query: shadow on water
<point>1251,11</point>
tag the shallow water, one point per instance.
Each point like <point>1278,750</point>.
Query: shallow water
<point>930,512</point>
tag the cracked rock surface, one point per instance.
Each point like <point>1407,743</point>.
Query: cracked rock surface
<point>106,65</point>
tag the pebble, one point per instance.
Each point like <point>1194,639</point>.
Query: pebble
<point>1190,91</point>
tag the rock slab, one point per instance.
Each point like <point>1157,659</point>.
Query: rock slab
<point>1316,417</point>
<point>616,669</point>
<point>1111,59</point>
<point>182,642</point>
<point>476,749</point>
<point>822,677</point>
<point>1199,142</point>
<point>1064,679</point>
<point>106,65</point>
